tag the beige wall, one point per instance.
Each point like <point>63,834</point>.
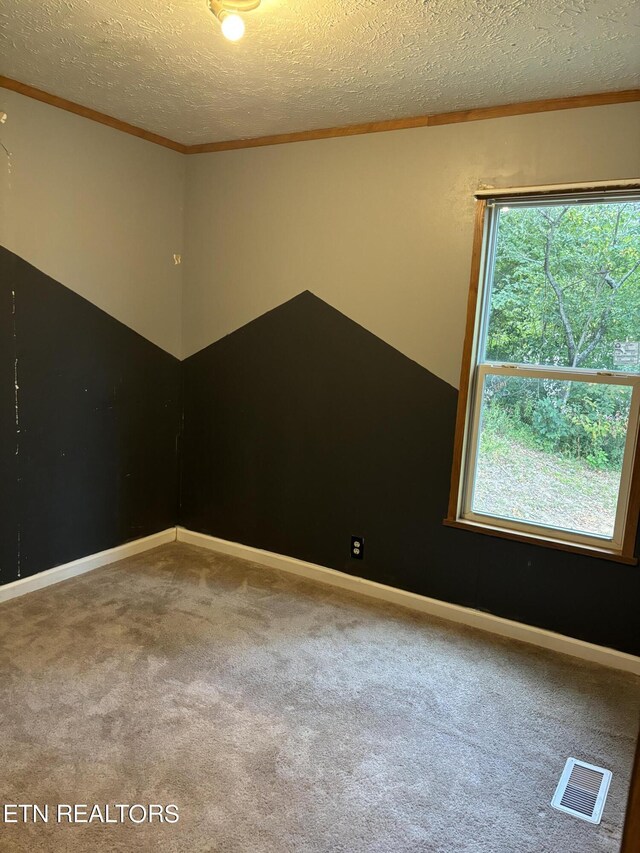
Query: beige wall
<point>379,226</point>
<point>97,210</point>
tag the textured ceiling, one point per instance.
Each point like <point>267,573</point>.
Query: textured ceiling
<point>306,64</point>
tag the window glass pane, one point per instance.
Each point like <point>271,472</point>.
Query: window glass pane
<point>550,452</point>
<point>565,287</point>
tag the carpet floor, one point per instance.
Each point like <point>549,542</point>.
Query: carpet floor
<point>280,715</point>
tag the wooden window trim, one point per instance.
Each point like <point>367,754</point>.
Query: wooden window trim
<point>454,519</point>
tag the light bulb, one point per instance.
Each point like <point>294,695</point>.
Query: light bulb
<point>232,27</point>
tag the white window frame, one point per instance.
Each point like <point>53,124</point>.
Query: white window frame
<point>479,369</point>
<point>576,375</point>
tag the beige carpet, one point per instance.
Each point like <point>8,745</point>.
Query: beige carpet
<point>284,716</point>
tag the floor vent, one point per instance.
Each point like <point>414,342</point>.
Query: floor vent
<point>582,790</point>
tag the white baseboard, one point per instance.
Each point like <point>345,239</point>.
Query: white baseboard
<point>433,607</point>
<point>85,564</point>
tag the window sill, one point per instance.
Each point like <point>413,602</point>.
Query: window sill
<point>543,541</point>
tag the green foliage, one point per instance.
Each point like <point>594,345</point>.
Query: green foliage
<point>591,248</point>
<point>599,426</point>
<point>590,426</point>
<point>566,286</point>
<point>550,424</point>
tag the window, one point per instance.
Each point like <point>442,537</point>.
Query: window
<point>550,394</point>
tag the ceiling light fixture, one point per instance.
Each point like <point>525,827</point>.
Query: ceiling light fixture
<point>227,12</point>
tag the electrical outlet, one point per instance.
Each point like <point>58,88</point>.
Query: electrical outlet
<point>357,547</point>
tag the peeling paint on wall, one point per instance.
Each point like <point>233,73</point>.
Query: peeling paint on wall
<point>16,387</point>
<point>16,397</point>
<point>88,423</point>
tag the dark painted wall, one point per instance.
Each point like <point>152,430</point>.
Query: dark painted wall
<point>302,428</point>
<point>94,463</point>
<point>8,458</point>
